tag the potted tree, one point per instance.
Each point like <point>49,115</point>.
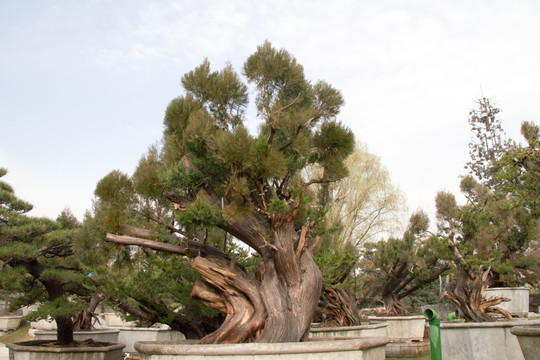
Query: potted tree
<point>252,187</point>
<point>397,268</point>
<point>38,259</point>
<point>487,238</point>
<point>8,321</point>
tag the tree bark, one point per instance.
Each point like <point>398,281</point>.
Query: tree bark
<point>83,319</point>
<point>340,307</point>
<point>64,330</point>
<point>470,299</point>
<point>392,305</point>
<point>277,308</point>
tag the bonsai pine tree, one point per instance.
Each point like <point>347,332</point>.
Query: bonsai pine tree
<point>253,187</point>
<point>401,266</point>
<point>488,236</point>
<point>38,261</point>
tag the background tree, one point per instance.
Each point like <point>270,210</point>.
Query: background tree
<point>401,266</point>
<point>488,236</point>
<point>366,204</point>
<point>253,188</point>
<point>145,286</point>
<point>489,143</point>
<point>38,262</point>
<point>362,207</point>
<point>147,185</point>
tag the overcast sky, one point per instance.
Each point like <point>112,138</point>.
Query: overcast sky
<point>84,84</point>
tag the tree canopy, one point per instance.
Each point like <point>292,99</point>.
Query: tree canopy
<point>39,262</point>
<point>254,188</point>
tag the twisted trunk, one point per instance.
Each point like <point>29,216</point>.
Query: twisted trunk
<point>276,307</point>
<point>392,305</point>
<point>468,295</point>
<point>83,319</point>
<point>340,307</point>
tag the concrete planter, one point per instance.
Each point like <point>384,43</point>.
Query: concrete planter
<point>31,350</point>
<point>359,331</point>
<point>114,320</point>
<point>482,341</point>
<point>102,335</point>
<point>130,335</point>
<point>519,299</point>
<point>372,348</point>
<point>403,328</point>
<point>10,322</point>
<point>529,341</point>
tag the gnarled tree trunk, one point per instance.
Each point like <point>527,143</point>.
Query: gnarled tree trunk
<point>392,305</point>
<point>340,307</point>
<point>468,295</point>
<point>276,307</point>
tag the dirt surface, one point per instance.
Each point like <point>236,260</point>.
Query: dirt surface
<point>21,334</point>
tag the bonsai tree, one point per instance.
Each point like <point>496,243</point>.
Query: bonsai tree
<point>253,188</point>
<point>38,261</point>
<point>401,266</point>
<point>487,237</point>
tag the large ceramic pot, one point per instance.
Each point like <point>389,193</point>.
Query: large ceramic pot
<point>482,341</point>
<point>33,350</point>
<point>372,348</point>
<point>101,335</point>
<point>529,341</point>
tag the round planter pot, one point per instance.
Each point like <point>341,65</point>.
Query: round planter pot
<point>403,328</point>
<point>31,350</point>
<point>360,331</point>
<point>101,335</point>
<point>372,348</point>
<point>482,341</point>
<point>529,341</point>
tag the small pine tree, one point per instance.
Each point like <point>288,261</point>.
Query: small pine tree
<point>39,262</point>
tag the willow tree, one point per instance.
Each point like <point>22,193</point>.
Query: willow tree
<point>362,207</point>
<point>254,188</point>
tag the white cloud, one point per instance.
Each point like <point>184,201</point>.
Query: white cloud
<point>409,71</point>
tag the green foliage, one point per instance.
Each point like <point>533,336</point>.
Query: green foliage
<point>200,213</point>
<point>116,193</point>
<point>500,218</point>
<point>398,267</point>
<point>164,281</point>
<point>333,264</point>
<point>254,173</point>
<point>146,181</point>
<point>38,261</point>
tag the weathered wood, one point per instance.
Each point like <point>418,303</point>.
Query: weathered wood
<point>240,297</point>
<point>470,299</point>
<point>340,307</point>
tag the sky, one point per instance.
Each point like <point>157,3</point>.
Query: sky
<point>84,84</point>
